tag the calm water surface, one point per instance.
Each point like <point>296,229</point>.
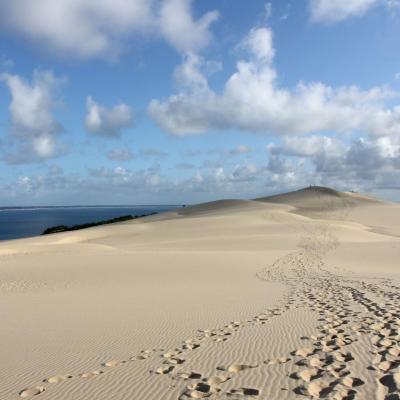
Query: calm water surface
<point>25,222</point>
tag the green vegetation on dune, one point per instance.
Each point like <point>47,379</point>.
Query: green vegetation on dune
<point>64,228</point>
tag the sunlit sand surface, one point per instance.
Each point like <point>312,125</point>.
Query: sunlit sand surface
<point>291,296</point>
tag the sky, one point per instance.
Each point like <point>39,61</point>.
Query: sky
<point>185,101</point>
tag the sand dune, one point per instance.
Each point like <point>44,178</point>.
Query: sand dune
<point>290,296</point>
<point>317,198</point>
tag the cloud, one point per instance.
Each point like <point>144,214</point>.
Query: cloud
<point>366,164</point>
<point>337,10</point>
<point>33,125</point>
<point>268,10</point>
<point>25,183</point>
<point>244,173</point>
<point>180,29</point>
<point>259,44</point>
<point>147,179</point>
<point>103,28</point>
<point>107,122</point>
<point>370,165</point>
<point>120,155</point>
<point>307,146</point>
<point>252,100</point>
<point>332,11</point>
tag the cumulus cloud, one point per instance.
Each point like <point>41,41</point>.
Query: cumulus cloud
<point>365,164</point>
<point>107,122</point>
<point>120,155</point>
<point>259,44</point>
<point>338,10</point>
<point>332,11</point>
<point>252,100</point>
<point>180,29</point>
<point>101,28</point>
<point>307,146</point>
<point>145,179</point>
<point>32,121</point>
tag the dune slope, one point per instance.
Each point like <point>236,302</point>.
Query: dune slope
<point>277,298</point>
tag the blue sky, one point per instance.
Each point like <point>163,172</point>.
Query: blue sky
<point>179,101</point>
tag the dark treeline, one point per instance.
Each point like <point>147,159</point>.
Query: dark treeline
<point>64,228</point>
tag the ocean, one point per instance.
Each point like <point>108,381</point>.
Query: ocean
<point>21,222</point>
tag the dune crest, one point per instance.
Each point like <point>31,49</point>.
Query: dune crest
<point>278,297</point>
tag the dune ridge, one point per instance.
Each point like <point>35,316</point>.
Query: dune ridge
<point>270,298</point>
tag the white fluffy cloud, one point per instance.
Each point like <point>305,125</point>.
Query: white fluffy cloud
<point>307,146</point>
<point>32,120</point>
<point>180,29</point>
<point>252,100</point>
<point>259,43</point>
<point>332,11</point>
<point>107,122</point>
<point>93,28</point>
<point>338,10</point>
<point>363,163</point>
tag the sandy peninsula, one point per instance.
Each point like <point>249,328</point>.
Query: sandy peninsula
<point>284,297</point>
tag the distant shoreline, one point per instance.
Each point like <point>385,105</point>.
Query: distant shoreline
<point>30,208</point>
<point>65,228</point>
<point>19,223</point>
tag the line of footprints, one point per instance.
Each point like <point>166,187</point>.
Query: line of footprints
<point>322,369</point>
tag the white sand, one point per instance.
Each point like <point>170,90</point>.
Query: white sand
<point>295,295</point>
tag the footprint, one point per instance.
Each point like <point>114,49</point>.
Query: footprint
<point>318,388</point>
<point>30,392</point>
<point>244,392</point>
<point>391,382</point>
<point>217,380</point>
<point>190,346</point>
<point>164,370</point>
<point>57,378</point>
<point>188,375</point>
<point>351,381</point>
<point>91,374</point>
<point>304,352</point>
<point>199,391</point>
<point>174,360</point>
<point>385,366</point>
<point>171,354</point>
<point>344,394</point>
<point>113,363</point>
<point>235,368</point>
<point>307,375</point>
<point>280,360</point>
<point>139,357</point>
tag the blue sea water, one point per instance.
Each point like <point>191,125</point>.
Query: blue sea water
<point>20,222</point>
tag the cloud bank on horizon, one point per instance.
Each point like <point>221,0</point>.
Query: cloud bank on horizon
<point>185,101</point>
